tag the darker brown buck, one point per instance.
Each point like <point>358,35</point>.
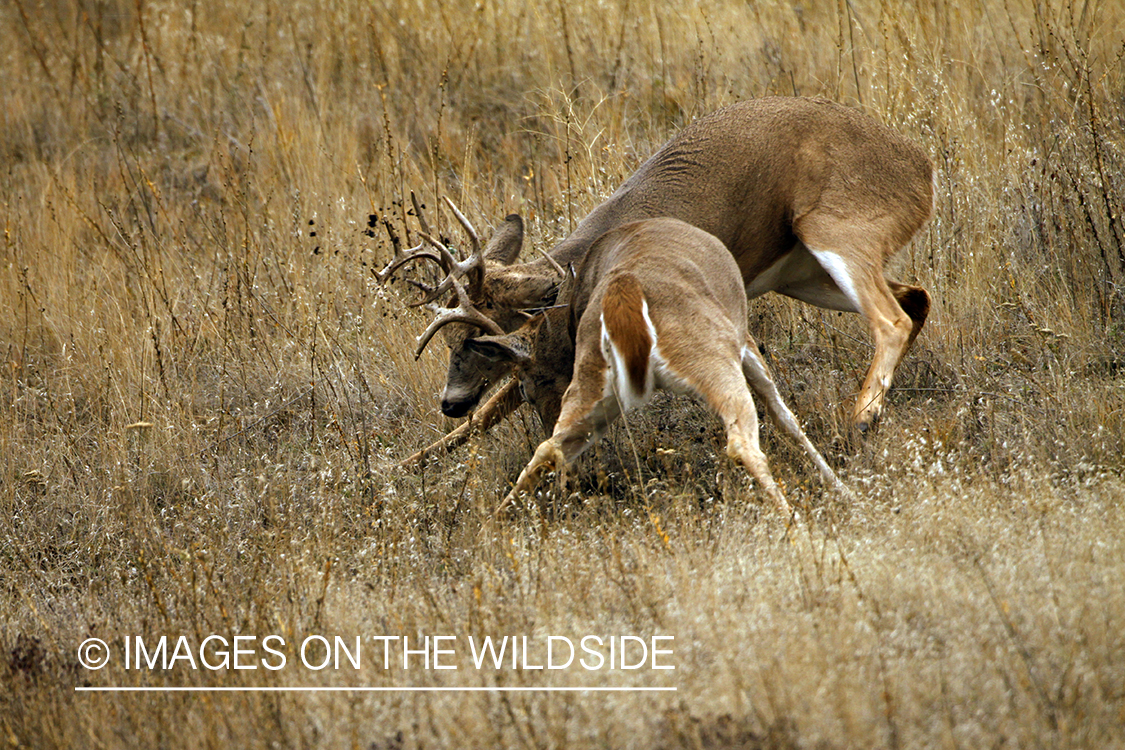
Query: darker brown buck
<point>810,198</point>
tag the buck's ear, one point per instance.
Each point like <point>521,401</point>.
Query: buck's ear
<point>512,347</point>
<point>506,242</point>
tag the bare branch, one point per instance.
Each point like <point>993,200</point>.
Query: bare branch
<point>502,403</point>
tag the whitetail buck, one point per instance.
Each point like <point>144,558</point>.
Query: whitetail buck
<point>810,198</point>
<point>663,307</point>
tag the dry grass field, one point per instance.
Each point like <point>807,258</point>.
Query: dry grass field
<point>204,392</point>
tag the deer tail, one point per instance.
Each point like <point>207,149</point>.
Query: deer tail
<point>628,338</point>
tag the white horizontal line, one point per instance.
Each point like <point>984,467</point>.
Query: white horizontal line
<point>366,689</point>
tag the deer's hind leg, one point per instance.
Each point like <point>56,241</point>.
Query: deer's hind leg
<point>852,254</point>
<point>758,376</point>
<point>741,421</point>
<point>728,395</point>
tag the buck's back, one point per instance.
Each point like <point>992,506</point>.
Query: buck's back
<point>745,172</point>
<point>674,262</point>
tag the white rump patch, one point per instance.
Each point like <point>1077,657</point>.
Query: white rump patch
<point>834,264</point>
<point>617,382</point>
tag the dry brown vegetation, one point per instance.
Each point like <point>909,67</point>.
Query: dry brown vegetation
<point>204,393</point>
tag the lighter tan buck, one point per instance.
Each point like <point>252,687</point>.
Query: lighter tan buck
<point>664,307</point>
<point>810,198</point>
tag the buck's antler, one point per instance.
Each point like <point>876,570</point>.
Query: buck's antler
<point>463,313</point>
<point>453,268</point>
<point>401,258</point>
<point>418,212</point>
<point>472,267</point>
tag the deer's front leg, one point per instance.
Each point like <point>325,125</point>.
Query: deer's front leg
<point>548,457</point>
<point>587,409</point>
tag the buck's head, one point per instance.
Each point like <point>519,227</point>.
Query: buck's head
<point>491,320</point>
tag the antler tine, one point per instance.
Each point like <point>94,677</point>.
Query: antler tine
<point>396,243</point>
<point>432,293</point>
<point>418,213</point>
<point>466,225</point>
<point>554,263</point>
<point>475,261</point>
<point>403,257</point>
<point>449,263</point>
<point>454,267</point>
<point>460,268</point>
<point>425,288</point>
<point>463,313</point>
<point>566,288</point>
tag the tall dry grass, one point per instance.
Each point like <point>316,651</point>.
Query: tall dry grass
<point>205,392</point>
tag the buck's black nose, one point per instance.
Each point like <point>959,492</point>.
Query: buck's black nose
<point>455,408</point>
